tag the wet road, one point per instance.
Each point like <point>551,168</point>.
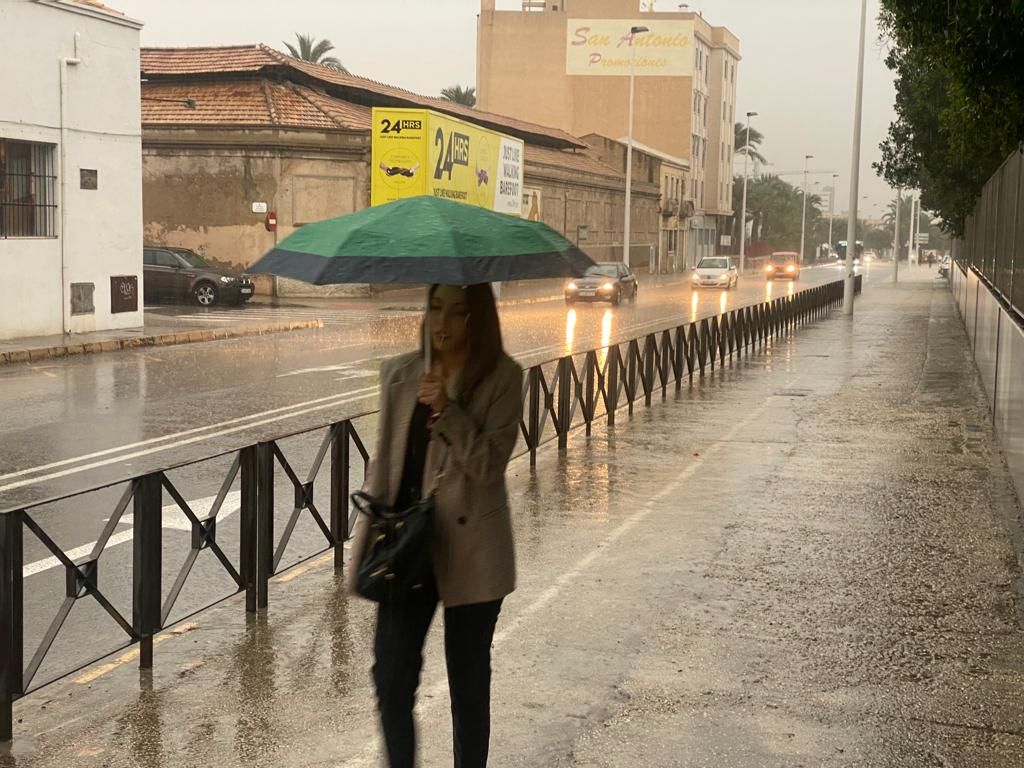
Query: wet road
<point>82,422</point>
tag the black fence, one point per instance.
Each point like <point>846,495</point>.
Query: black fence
<point>993,242</point>
<point>559,396</point>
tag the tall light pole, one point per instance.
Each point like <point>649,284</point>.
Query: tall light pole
<point>831,210</point>
<point>851,225</point>
<point>743,210</point>
<point>896,238</point>
<point>803,212</point>
<point>633,32</point>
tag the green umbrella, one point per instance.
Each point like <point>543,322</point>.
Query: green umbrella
<point>424,239</point>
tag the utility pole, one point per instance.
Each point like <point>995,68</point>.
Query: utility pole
<point>831,210</point>
<point>803,212</point>
<point>633,32</point>
<point>896,238</point>
<point>743,210</point>
<point>851,225</point>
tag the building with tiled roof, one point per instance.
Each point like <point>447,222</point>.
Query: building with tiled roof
<point>229,129</point>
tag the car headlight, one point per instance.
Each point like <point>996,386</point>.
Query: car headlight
<point>791,268</point>
<point>607,287</point>
<point>571,287</point>
<point>227,280</point>
<point>770,268</point>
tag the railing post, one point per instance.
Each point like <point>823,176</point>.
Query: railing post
<point>679,358</point>
<point>11,625</point>
<point>650,348</point>
<point>534,414</point>
<point>612,382</point>
<point>631,374</point>
<point>564,402</point>
<point>588,384</point>
<point>247,526</point>
<point>147,563</point>
<point>264,521</point>
<point>341,466</point>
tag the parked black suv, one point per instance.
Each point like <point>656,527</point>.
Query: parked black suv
<point>178,275</point>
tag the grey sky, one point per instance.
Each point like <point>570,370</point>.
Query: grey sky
<point>798,69</point>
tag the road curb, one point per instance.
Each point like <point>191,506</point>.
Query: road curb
<point>157,340</point>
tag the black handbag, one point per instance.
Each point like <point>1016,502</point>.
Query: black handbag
<point>397,556</point>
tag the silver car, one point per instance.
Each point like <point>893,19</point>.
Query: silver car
<point>715,272</point>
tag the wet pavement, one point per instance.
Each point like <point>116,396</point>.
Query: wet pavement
<point>810,557</point>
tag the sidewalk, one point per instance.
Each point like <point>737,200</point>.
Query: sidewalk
<point>159,330</point>
<point>806,559</point>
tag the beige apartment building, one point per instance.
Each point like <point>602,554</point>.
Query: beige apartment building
<point>566,63</point>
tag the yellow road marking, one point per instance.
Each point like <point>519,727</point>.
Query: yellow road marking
<point>306,567</point>
<point>102,669</point>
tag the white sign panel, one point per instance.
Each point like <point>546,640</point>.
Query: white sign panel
<point>922,238</point>
<point>508,193</point>
<point>602,47</point>
<point>259,207</point>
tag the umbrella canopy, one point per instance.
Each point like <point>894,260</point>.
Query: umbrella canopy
<point>424,240</point>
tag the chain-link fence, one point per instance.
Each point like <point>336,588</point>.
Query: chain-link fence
<point>993,241</point>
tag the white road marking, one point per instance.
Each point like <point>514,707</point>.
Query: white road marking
<point>361,394</point>
<point>173,519</point>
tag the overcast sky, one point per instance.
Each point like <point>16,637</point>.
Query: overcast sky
<point>798,69</point>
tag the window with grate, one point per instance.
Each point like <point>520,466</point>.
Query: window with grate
<point>28,189</point>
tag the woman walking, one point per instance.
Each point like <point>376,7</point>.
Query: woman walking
<point>448,431</point>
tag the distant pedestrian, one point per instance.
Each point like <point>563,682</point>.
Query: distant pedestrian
<point>448,431</point>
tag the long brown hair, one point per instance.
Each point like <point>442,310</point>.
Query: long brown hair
<point>483,335</point>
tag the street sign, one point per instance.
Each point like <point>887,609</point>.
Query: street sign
<point>922,238</point>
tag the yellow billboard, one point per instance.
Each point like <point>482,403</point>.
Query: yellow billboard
<point>602,47</point>
<point>421,152</point>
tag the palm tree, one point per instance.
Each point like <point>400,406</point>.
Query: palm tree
<point>740,142</point>
<point>315,52</point>
<point>465,96</point>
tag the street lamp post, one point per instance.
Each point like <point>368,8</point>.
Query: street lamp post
<point>851,225</point>
<point>831,210</point>
<point>803,212</point>
<point>896,238</point>
<point>743,210</point>
<point>633,32</point>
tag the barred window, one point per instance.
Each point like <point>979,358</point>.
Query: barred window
<point>28,189</point>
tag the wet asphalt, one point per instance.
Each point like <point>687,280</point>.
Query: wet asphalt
<point>809,558</point>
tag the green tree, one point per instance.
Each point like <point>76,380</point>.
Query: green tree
<point>465,96</point>
<point>959,98</point>
<point>774,209</point>
<point>315,51</point>
<point>740,142</point>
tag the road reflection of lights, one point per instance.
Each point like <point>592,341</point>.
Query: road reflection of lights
<point>768,290</point>
<point>606,337</point>
<point>694,302</point>
<point>570,331</point>
<point>723,302</point>
<point>790,289</point>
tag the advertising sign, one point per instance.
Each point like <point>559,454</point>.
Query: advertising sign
<point>601,47</point>
<point>531,203</point>
<point>420,152</point>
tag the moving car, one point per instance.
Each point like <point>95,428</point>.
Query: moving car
<point>783,265</point>
<point>607,281</point>
<point>178,275</point>
<point>715,272</point>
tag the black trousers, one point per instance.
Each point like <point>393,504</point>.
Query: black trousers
<point>398,658</point>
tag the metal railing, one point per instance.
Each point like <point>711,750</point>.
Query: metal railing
<point>993,242</point>
<point>559,396</point>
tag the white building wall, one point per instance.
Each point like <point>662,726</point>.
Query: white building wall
<point>100,230</point>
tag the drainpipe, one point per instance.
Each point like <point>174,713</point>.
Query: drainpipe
<point>65,62</point>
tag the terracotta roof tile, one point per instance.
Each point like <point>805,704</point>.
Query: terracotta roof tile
<point>248,103</point>
<point>97,5</point>
<point>572,160</point>
<point>170,62</point>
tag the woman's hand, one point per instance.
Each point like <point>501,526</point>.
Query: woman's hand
<point>432,392</point>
